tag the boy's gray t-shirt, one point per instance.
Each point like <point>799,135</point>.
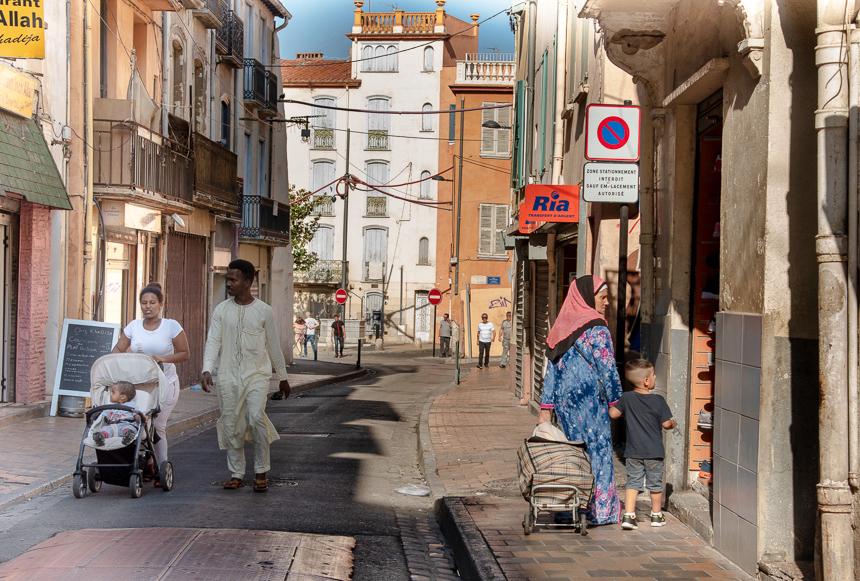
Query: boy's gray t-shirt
<point>644,415</point>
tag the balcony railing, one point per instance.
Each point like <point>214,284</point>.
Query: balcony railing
<point>261,87</point>
<point>377,140</point>
<point>259,221</point>
<point>323,138</point>
<point>322,272</point>
<point>215,174</point>
<point>487,69</point>
<point>398,22</point>
<point>323,206</point>
<point>377,207</point>
<point>130,156</point>
<point>211,14</point>
<point>230,40</point>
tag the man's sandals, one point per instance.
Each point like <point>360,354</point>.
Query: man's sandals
<point>233,484</point>
<point>260,484</point>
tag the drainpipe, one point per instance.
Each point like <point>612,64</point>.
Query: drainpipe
<point>165,67</point>
<point>853,128</point>
<point>560,85</point>
<point>87,282</point>
<point>831,124</point>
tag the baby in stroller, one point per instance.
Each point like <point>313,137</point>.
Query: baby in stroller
<point>116,423</point>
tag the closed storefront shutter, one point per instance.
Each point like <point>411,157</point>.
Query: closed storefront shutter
<point>520,339</point>
<point>185,297</point>
<point>541,325</point>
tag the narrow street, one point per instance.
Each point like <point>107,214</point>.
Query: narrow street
<point>343,451</point>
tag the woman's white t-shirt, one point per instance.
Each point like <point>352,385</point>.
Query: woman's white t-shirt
<point>157,342</point>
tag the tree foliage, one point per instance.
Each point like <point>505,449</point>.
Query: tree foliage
<point>303,226</point>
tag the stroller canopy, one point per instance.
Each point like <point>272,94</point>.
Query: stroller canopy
<point>137,368</point>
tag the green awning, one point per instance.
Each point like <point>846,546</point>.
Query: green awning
<point>26,166</point>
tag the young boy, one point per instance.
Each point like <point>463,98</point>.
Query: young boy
<point>644,414</point>
<point>113,423</point>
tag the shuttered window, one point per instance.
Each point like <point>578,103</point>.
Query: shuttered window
<point>496,142</point>
<point>424,252</point>
<point>427,118</point>
<point>428,59</point>
<point>323,118</point>
<point>322,174</point>
<point>518,165</point>
<point>379,58</point>
<point>323,243</point>
<point>426,191</point>
<point>375,253</point>
<point>493,221</point>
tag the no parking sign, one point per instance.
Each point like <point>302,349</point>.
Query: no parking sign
<point>612,132</point>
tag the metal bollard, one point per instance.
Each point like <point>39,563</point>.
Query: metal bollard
<point>358,359</point>
<point>457,362</point>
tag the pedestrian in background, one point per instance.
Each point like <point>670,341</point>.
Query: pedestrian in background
<point>167,343</point>
<point>582,383</point>
<point>505,339</point>
<point>445,336</point>
<point>299,328</point>
<point>486,336</point>
<point>338,332</point>
<point>242,348</point>
<point>311,326</point>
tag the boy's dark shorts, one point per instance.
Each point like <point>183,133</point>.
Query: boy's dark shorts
<point>641,471</point>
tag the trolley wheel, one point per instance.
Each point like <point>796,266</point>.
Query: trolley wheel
<point>165,472</point>
<point>94,480</point>
<point>134,486</point>
<point>79,485</point>
<point>583,523</point>
<point>529,522</point>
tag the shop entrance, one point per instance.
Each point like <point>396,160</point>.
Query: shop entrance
<point>118,301</point>
<point>705,284</point>
<point>7,387</point>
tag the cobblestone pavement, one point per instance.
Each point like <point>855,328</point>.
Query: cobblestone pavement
<point>476,430</point>
<point>427,557</point>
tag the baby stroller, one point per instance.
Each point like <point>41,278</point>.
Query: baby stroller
<point>554,477</point>
<point>117,463</point>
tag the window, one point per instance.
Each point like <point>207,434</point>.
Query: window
<point>249,31</point>
<point>493,221</point>
<point>375,253</point>
<point>200,97</point>
<point>323,123</point>
<point>322,173</point>
<point>424,252</point>
<point>323,243</point>
<point>263,170</point>
<point>378,124</point>
<point>377,203</point>
<point>226,124</point>
<point>178,81</point>
<point>377,172</point>
<point>426,192</point>
<point>248,174</point>
<point>264,46</point>
<point>379,58</point>
<point>496,142</point>
<point>543,107</point>
<point>427,118</point>
<point>451,122</point>
<point>518,164</point>
<point>428,59</point>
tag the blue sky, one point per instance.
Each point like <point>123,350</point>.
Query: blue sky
<point>321,25</point>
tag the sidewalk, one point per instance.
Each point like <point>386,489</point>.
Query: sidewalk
<point>38,454</point>
<point>475,431</point>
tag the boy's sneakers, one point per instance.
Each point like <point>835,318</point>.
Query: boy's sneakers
<point>658,519</point>
<point>705,470</point>
<point>628,522</point>
<point>99,438</point>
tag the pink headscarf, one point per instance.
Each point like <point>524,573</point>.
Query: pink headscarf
<point>577,311</point>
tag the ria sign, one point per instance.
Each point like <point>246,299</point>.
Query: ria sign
<point>547,203</point>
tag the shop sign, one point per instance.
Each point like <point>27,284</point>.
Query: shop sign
<point>611,183</point>
<point>526,226</point>
<point>547,203</point>
<point>19,89</point>
<point>22,29</point>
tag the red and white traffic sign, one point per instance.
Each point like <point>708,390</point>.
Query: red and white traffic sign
<point>434,296</point>
<point>612,132</point>
<point>340,296</point>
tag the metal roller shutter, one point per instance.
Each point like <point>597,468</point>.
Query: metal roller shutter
<point>185,297</point>
<point>520,339</point>
<point>541,325</point>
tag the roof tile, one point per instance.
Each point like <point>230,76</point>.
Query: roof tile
<point>317,72</point>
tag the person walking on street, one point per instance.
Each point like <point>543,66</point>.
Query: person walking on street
<point>505,339</point>
<point>311,326</point>
<point>445,336</point>
<point>299,328</point>
<point>242,348</point>
<point>338,332</point>
<point>486,336</point>
<point>167,343</point>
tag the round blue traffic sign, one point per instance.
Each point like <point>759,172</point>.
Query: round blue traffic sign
<point>613,133</point>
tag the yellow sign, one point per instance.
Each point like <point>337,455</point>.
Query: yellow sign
<point>22,29</point>
<point>19,90</point>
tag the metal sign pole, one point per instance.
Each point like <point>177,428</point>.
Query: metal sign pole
<point>621,312</point>
<point>434,331</point>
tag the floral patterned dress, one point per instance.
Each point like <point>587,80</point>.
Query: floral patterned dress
<point>572,388</point>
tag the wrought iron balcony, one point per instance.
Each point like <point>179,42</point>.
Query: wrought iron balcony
<point>323,138</point>
<point>130,158</point>
<point>322,272</point>
<point>323,206</point>
<point>212,13</point>
<point>215,175</point>
<point>260,222</point>
<point>261,87</point>
<point>377,207</point>
<point>377,140</point>
<point>230,40</point>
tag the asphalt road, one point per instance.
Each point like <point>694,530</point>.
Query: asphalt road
<point>343,451</point>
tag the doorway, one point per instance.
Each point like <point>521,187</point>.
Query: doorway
<point>423,316</point>
<point>7,279</point>
<point>119,300</point>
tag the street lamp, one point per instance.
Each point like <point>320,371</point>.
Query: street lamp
<point>491,124</point>
<point>439,178</point>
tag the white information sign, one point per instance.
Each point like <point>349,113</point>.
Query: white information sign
<point>611,183</point>
<point>612,132</point>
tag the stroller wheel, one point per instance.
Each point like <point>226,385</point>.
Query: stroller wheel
<point>94,480</point>
<point>528,522</point>
<point>79,485</point>
<point>165,472</point>
<point>583,522</point>
<point>135,486</point>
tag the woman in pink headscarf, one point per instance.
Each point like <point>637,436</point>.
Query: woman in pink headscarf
<point>581,384</point>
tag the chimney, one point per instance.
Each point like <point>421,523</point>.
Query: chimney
<point>309,55</point>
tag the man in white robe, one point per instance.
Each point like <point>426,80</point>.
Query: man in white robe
<point>242,348</point>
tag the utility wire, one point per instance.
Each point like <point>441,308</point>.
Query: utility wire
<point>390,112</point>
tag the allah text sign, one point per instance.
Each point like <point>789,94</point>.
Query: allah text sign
<point>22,29</point>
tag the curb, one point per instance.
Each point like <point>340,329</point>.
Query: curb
<point>473,556</point>
<point>693,510</point>
<point>426,456</point>
<point>28,412</point>
<point>175,432</point>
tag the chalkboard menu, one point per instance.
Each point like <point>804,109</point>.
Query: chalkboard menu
<point>82,343</point>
